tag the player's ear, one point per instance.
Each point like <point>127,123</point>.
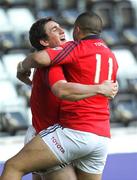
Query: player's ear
<point>77,29</point>
<point>44,42</point>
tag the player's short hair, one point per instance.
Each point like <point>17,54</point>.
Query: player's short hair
<point>89,22</point>
<point>37,32</point>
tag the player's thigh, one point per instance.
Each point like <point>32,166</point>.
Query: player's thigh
<point>34,156</point>
<point>66,173</point>
<point>81,175</point>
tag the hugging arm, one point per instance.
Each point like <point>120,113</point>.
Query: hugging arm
<point>62,89</point>
<point>33,60</point>
<point>75,91</point>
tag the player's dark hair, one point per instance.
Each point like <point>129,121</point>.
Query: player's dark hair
<point>89,22</point>
<point>37,33</point>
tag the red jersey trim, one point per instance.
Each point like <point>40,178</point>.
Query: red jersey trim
<point>69,47</point>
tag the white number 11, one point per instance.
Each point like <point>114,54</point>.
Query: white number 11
<point>98,68</point>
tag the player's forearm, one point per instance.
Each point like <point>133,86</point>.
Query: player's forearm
<point>74,91</point>
<point>29,63</point>
<point>35,60</point>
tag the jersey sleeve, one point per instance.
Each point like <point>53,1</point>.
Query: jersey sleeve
<point>55,74</point>
<point>62,55</point>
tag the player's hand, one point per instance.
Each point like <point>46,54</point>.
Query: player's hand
<point>23,75</point>
<point>20,67</point>
<point>109,89</point>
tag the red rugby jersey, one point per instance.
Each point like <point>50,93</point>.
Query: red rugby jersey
<point>44,105</point>
<point>88,61</point>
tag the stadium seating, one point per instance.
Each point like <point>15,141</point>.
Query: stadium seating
<point>119,32</point>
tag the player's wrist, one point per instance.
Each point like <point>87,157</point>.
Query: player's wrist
<point>99,89</point>
<point>95,89</point>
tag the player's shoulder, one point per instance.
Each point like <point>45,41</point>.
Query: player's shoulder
<point>71,44</point>
<point>66,45</point>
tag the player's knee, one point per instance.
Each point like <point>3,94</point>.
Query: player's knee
<point>9,164</point>
<point>12,166</point>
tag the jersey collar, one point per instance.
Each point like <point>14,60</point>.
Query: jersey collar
<point>91,37</point>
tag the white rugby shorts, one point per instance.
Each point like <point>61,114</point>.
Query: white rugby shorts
<point>86,150</point>
<point>30,134</point>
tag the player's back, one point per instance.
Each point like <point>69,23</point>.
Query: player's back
<point>88,61</point>
<point>93,63</point>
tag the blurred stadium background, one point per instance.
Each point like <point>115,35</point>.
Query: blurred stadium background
<point>119,32</point>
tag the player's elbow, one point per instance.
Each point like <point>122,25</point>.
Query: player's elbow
<point>64,95</point>
<point>68,97</point>
<point>57,89</point>
<point>59,93</point>
<point>60,90</point>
